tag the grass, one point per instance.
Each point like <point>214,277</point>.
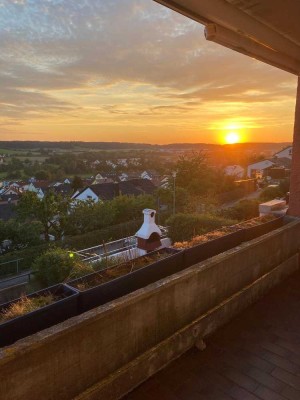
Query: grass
<point>119,270</point>
<point>222,232</point>
<point>9,151</point>
<point>26,305</point>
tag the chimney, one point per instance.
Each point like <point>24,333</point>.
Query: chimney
<point>148,237</point>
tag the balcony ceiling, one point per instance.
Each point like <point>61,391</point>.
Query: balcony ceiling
<point>268,30</point>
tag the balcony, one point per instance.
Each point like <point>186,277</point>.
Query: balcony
<point>108,351</point>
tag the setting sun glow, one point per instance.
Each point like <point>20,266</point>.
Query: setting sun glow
<point>232,137</point>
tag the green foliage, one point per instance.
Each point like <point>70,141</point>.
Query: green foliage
<point>27,257</point>
<point>185,226</point>
<point>51,211</point>
<point>57,265</point>
<point>53,266</point>
<point>77,183</point>
<point>165,197</point>
<point>42,175</point>
<point>88,216</point>
<point>198,178</point>
<point>20,234</point>
<point>270,193</point>
<point>245,209</point>
<point>193,174</point>
<point>101,236</point>
<point>126,208</point>
<point>284,186</point>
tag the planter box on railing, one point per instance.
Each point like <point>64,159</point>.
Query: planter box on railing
<point>118,287</point>
<point>202,251</point>
<point>262,229</point>
<point>17,328</point>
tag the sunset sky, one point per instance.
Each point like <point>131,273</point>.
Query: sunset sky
<point>132,71</point>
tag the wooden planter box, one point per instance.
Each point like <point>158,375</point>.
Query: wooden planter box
<point>42,318</point>
<point>118,287</point>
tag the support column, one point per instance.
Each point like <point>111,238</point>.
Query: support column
<point>294,203</point>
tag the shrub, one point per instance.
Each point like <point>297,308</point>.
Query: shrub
<point>185,226</point>
<point>270,193</point>
<point>58,265</point>
<point>53,266</point>
<point>245,209</point>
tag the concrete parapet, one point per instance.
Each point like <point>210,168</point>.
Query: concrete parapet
<point>107,351</point>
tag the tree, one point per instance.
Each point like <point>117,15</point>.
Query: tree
<point>22,234</point>
<point>42,175</point>
<point>52,211</point>
<point>165,197</point>
<point>127,208</point>
<point>86,216</point>
<point>77,183</point>
<point>195,175</point>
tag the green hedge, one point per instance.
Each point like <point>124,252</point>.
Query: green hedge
<point>97,237</point>
<point>185,226</point>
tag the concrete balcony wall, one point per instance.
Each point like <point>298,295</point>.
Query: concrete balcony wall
<point>104,353</point>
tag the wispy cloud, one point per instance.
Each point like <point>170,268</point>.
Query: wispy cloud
<point>122,64</point>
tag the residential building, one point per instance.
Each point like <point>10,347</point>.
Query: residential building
<point>258,169</point>
<point>108,191</point>
<point>285,153</point>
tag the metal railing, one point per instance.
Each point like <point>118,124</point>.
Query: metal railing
<point>12,267</point>
<point>107,250</point>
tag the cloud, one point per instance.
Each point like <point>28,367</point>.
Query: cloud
<point>69,59</point>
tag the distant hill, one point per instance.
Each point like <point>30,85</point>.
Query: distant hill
<point>28,145</point>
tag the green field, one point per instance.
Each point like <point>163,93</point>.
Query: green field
<point>9,151</point>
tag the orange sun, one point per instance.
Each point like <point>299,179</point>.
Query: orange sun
<point>232,137</point>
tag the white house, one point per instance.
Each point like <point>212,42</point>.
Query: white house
<point>32,188</point>
<point>111,164</point>
<point>285,153</point>
<point>94,164</point>
<point>256,170</point>
<point>135,161</point>
<point>85,195</point>
<point>96,192</point>
<point>235,170</point>
<point>123,177</point>
<point>165,182</point>
<point>146,175</point>
<point>123,162</point>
